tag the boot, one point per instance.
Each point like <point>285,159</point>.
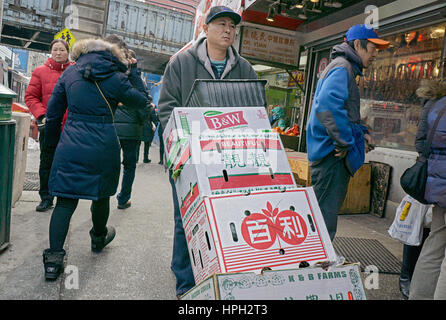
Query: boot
<point>99,242</point>
<point>404,284</point>
<point>44,205</point>
<point>53,263</point>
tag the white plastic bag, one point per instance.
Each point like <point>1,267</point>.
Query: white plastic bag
<point>409,221</point>
<point>428,217</point>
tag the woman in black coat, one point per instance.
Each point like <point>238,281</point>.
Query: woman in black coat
<point>86,153</point>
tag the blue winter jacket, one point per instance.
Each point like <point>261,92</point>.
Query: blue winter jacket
<point>334,120</point>
<point>86,162</point>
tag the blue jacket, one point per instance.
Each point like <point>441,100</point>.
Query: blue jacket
<point>86,162</point>
<point>436,165</point>
<point>334,120</point>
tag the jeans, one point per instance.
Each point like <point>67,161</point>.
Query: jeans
<point>330,179</point>
<point>130,154</point>
<point>46,160</point>
<point>61,216</point>
<point>181,265</point>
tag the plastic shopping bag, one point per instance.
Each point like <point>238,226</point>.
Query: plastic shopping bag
<point>428,217</point>
<point>409,221</point>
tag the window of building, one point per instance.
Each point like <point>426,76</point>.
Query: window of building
<point>389,104</point>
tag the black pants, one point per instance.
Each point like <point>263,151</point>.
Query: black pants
<point>148,143</point>
<point>330,179</point>
<point>129,158</point>
<point>61,216</point>
<point>46,160</point>
<point>410,257</point>
<point>160,135</point>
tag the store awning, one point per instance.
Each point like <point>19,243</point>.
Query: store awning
<point>290,14</point>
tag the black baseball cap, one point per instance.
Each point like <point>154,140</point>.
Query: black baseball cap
<point>221,11</point>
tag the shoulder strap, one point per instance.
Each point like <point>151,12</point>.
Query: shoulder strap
<point>427,147</point>
<point>109,107</point>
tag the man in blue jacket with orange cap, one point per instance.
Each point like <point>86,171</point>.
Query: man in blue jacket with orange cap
<point>336,139</point>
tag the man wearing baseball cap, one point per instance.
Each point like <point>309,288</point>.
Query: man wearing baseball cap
<point>210,57</point>
<point>336,139</point>
<point>364,32</point>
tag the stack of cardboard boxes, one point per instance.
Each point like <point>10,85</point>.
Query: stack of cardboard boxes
<point>240,206</point>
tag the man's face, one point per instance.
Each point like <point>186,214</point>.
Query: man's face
<point>367,56</point>
<point>220,32</point>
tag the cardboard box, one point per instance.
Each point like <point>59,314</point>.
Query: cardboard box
<point>290,142</point>
<point>184,122</point>
<point>237,232</point>
<point>336,283</point>
<point>228,163</point>
<point>299,166</point>
<point>357,199</point>
<point>358,195</point>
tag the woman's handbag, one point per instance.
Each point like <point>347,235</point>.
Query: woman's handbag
<point>413,180</point>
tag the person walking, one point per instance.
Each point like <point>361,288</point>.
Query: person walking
<point>336,139</point>
<point>211,57</point>
<point>160,137</point>
<point>149,129</point>
<point>429,277</point>
<point>86,153</point>
<point>412,253</point>
<point>129,122</point>
<point>39,90</point>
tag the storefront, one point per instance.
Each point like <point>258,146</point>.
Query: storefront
<point>283,91</point>
<point>275,56</point>
<point>389,105</point>
<point>284,33</point>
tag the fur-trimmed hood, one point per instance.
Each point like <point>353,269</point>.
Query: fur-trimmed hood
<point>97,59</point>
<point>432,89</point>
<point>85,46</point>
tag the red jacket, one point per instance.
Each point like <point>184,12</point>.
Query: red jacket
<point>41,85</point>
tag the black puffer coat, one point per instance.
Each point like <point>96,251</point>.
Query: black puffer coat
<point>129,121</point>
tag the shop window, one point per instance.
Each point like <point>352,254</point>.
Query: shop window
<point>282,91</point>
<point>389,104</point>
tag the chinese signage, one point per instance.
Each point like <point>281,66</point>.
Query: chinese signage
<point>272,47</point>
<point>239,232</point>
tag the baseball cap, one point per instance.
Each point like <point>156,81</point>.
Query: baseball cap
<point>221,11</point>
<point>361,31</point>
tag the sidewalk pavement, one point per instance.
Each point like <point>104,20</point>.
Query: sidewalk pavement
<point>136,265</point>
